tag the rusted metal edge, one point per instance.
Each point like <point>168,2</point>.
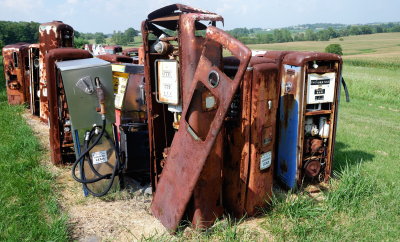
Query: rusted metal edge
<point>171,9</point>
<point>300,58</point>
<point>114,58</point>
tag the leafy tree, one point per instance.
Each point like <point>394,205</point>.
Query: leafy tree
<point>323,35</point>
<point>80,42</point>
<point>365,29</point>
<point>354,30</point>
<point>119,38</point>
<point>99,38</point>
<point>334,48</point>
<point>310,35</point>
<point>130,34</point>
<point>379,29</point>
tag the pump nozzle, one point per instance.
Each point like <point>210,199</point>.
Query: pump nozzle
<point>100,96</point>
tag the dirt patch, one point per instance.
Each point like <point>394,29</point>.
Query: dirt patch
<point>122,216</point>
<point>119,216</point>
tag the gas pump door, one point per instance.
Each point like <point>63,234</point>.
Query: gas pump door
<point>190,148</point>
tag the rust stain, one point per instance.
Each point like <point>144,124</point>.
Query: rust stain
<point>52,35</point>
<point>16,73</point>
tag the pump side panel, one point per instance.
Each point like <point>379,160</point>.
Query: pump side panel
<point>289,112</point>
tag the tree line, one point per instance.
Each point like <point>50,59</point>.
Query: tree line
<point>13,32</point>
<point>258,36</point>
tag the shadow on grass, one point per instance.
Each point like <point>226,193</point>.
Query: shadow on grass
<point>344,157</point>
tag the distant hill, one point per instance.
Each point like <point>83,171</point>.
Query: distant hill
<point>310,32</point>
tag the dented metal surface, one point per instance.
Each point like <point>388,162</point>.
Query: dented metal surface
<point>52,35</point>
<point>60,136</point>
<point>296,151</point>
<point>16,72</point>
<point>183,165</point>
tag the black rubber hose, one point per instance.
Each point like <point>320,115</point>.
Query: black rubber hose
<point>100,177</point>
<point>115,172</point>
<point>346,91</point>
<point>82,156</point>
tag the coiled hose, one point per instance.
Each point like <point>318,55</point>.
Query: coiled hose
<point>85,157</point>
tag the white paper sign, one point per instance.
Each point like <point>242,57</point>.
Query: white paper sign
<point>168,85</point>
<point>99,157</point>
<point>265,160</point>
<point>321,88</point>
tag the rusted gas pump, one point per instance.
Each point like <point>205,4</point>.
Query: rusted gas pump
<point>131,120</point>
<point>170,65</point>
<point>16,72</point>
<point>310,91</point>
<point>61,140</point>
<point>250,137</point>
<point>52,35</point>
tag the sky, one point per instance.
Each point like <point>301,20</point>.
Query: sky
<point>108,15</point>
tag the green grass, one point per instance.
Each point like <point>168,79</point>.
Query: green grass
<point>28,205</point>
<point>363,202</point>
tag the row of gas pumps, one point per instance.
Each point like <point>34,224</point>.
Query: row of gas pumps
<point>210,132</point>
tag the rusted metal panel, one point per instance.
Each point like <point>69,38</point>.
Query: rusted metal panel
<point>113,49</point>
<point>184,165</point>
<point>248,171</point>
<point>141,55</point>
<point>34,79</point>
<point>52,35</point>
<point>16,72</point>
<point>294,159</point>
<point>264,105</point>
<point>60,131</point>
<point>277,55</point>
<point>130,51</point>
<point>114,58</point>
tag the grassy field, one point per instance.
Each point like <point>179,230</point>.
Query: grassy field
<point>28,205</point>
<point>362,203</point>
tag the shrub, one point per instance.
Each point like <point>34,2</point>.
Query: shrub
<point>334,48</point>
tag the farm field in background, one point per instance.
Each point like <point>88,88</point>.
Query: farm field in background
<point>361,204</point>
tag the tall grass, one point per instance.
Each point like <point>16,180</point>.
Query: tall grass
<point>28,205</point>
<point>373,63</point>
<point>301,217</point>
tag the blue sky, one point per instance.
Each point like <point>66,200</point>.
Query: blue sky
<point>108,15</point>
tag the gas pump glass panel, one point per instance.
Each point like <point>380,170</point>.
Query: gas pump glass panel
<point>167,81</point>
<point>321,88</point>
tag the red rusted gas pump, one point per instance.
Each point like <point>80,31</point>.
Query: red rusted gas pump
<point>52,35</point>
<point>16,72</point>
